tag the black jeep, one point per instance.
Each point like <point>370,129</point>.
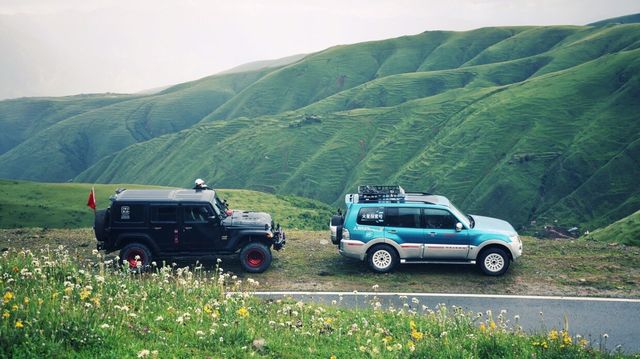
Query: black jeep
<point>153,225</point>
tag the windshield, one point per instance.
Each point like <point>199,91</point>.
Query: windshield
<point>220,207</point>
<point>461,216</point>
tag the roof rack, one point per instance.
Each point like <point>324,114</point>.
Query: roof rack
<point>377,194</point>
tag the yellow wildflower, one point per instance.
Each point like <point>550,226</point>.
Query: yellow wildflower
<point>332,357</point>
<point>328,321</point>
<point>208,309</point>
<point>6,315</point>
<point>412,325</point>
<point>68,290</point>
<point>416,335</point>
<point>492,325</point>
<point>553,335</point>
<point>243,312</point>
<point>84,293</point>
<point>26,300</point>
<point>411,345</point>
<point>583,342</point>
<point>7,297</point>
<point>96,301</point>
<point>388,339</point>
<point>19,324</point>
<point>14,307</point>
<point>566,339</point>
<point>40,301</point>
<point>483,328</point>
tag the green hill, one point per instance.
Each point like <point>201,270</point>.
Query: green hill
<point>625,231</point>
<point>524,123</point>
<point>63,205</point>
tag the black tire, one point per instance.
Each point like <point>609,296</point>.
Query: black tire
<point>129,253</point>
<point>382,258</point>
<point>337,221</point>
<point>99,225</point>
<point>494,261</point>
<point>255,257</point>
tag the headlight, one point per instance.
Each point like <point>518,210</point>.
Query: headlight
<point>515,238</point>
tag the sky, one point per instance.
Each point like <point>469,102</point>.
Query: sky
<point>65,47</point>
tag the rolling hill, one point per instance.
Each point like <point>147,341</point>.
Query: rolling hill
<point>531,124</point>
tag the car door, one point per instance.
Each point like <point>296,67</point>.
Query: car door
<point>443,240</point>
<point>199,232</point>
<point>163,220</point>
<point>402,225</point>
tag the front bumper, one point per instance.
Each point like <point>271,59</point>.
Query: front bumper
<point>279,239</point>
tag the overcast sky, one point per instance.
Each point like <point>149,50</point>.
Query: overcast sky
<point>61,47</point>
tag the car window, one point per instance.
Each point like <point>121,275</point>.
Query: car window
<point>371,216</point>
<point>402,217</point>
<point>164,214</point>
<point>196,214</point>
<point>439,219</point>
<point>128,213</point>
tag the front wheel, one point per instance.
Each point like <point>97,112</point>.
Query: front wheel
<point>494,261</point>
<point>382,258</point>
<point>255,257</point>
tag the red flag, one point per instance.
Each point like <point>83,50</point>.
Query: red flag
<point>91,202</point>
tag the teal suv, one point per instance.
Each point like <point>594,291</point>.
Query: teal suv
<point>385,225</point>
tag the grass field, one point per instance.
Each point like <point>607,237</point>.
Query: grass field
<point>54,305</point>
<point>310,262</point>
<point>625,231</point>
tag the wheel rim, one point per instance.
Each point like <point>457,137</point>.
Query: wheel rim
<point>131,258</point>
<point>381,259</point>
<point>255,258</point>
<point>494,262</point>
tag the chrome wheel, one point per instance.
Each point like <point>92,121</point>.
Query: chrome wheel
<point>381,259</point>
<point>494,262</point>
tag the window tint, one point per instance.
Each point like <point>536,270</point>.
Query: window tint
<point>371,216</point>
<point>439,219</point>
<point>402,217</point>
<point>196,214</point>
<point>164,213</point>
<point>129,213</point>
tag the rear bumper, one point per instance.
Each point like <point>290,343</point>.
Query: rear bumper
<point>352,249</point>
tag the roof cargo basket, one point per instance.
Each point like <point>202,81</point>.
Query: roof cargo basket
<point>377,194</point>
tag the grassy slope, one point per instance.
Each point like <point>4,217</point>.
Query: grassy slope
<point>49,205</point>
<point>25,117</point>
<point>625,231</point>
<point>71,145</point>
<point>479,143</point>
<point>517,122</point>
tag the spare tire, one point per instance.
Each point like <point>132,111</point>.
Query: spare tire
<point>336,221</point>
<point>100,224</point>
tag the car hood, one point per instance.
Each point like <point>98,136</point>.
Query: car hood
<point>240,218</point>
<point>489,224</point>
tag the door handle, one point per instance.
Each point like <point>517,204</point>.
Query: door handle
<point>156,228</point>
<point>432,234</point>
<point>187,228</point>
<point>392,231</point>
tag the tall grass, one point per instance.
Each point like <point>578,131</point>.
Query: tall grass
<point>55,306</point>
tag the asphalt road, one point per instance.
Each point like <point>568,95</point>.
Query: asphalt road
<point>594,318</point>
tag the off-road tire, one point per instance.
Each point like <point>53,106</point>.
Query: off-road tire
<point>382,258</point>
<point>255,257</point>
<point>129,253</point>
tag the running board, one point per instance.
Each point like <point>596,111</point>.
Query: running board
<point>404,261</point>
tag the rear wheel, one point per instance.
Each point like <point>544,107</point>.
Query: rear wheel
<point>382,258</point>
<point>137,256</point>
<point>255,257</point>
<point>494,261</point>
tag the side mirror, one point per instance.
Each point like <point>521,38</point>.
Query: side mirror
<point>458,227</point>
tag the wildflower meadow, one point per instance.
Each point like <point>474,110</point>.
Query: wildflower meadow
<point>56,306</point>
